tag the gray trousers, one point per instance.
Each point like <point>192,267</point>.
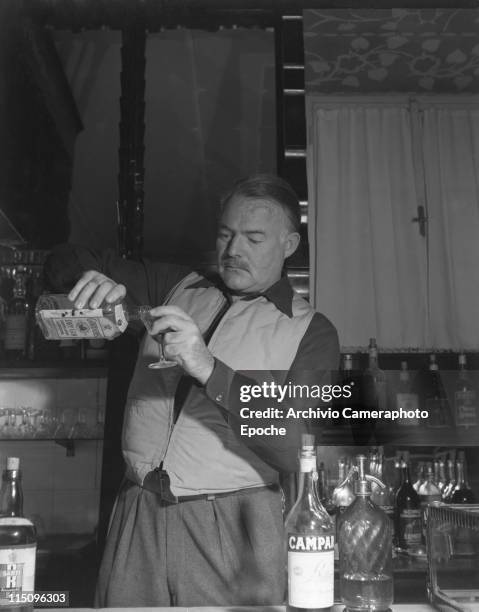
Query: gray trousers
<point>223,552</point>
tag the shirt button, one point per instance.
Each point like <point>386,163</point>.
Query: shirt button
<point>219,397</point>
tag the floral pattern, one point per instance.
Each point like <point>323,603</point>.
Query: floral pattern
<point>392,50</point>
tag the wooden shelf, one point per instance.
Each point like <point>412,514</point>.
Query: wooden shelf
<point>31,370</point>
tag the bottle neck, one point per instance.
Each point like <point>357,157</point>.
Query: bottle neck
<point>373,359</point>
<point>461,476</point>
<point>406,478</point>
<point>11,495</point>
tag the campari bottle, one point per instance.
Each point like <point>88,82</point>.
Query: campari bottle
<point>309,533</point>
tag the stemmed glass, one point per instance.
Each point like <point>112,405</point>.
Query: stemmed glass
<point>148,320</point>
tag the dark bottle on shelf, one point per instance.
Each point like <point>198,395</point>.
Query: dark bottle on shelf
<point>17,543</point>
<point>16,322</point>
<point>462,493</point>
<point>436,402</point>
<point>408,514</point>
<point>465,397</point>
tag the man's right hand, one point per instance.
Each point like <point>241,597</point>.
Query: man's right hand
<point>94,288</point>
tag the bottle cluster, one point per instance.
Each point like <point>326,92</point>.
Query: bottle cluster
<point>360,532</point>
<point>424,398</point>
<point>21,283</point>
<point>409,486</point>
<point>22,334</point>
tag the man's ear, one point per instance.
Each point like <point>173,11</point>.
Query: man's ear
<point>291,244</point>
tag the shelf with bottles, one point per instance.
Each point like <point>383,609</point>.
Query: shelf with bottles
<point>434,397</point>
<point>413,478</point>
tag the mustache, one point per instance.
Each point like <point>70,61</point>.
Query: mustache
<point>231,262</point>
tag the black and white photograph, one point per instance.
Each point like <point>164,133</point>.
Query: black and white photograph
<point>239,293</point>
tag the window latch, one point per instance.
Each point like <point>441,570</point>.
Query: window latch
<point>421,219</point>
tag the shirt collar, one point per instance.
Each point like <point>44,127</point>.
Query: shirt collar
<point>280,293</point>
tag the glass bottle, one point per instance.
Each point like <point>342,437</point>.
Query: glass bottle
<point>406,399</point>
<point>408,514</point>
<point>375,380</point>
<point>343,493</point>
<point>310,538</point>
<point>383,497</point>
<point>451,481</point>
<point>16,321</point>
<point>441,476</point>
<point>429,491</point>
<point>465,397</point>
<point>462,493</point>
<point>17,542</point>
<point>436,402</point>
<point>420,476</point>
<point>365,550</point>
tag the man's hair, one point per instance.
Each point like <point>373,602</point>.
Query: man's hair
<point>270,188</point>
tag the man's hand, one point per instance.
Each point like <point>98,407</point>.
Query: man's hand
<point>182,341</point>
<point>94,288</point>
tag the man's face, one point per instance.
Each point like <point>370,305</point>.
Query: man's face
<point>253,241</point>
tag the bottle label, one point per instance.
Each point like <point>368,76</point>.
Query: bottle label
<point>310,570</point>
<point>407,401</point>
<point>15,332</point>
<point>466,408</point>
<point>410,524</point>
<point>17,572</point>
<point>80,324</point>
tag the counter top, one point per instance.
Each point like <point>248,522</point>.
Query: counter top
<point>336,608</point>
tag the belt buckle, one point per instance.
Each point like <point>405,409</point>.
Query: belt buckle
<point>165,491</point>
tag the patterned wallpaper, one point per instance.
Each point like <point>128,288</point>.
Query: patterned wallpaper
<point>392,50</point>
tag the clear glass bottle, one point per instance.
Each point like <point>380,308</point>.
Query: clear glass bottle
<point>465,397</point>
<point>383,497</point>
<point>17,542</point>
<point>441,476</point>
<point>365,550</point>
<point>429,491</point>
<point>309,533</point>
<point>408,514</point>
<point>436,402</point>
<point>406,399</point>
<point>451,480</point>
<point>421,476</point>
<point>462,493</point>
<point>343,494</point>
<point>375,380</point>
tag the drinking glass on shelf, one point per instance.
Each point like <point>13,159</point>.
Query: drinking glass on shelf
<point>148,320</point>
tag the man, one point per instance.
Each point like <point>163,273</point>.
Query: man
<point>198,520</point>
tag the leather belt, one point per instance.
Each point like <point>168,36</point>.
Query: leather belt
<point>157,481</point>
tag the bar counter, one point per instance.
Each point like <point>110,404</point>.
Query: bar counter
<point>337,608</point>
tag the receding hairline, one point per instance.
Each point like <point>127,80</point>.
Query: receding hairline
<point>259,201</point>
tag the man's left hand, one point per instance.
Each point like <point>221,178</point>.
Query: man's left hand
<point>182,341</point>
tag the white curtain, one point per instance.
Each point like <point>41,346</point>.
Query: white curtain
<point>367,263</point>
<point>371,163</point>
<point>450,139</point>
